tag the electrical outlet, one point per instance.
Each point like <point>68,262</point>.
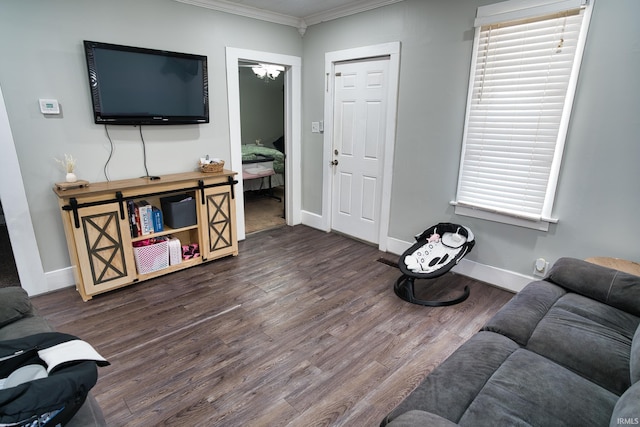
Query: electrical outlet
<point>540,267</point>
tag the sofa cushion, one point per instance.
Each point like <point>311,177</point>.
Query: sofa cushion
<point>452,386</point>
<point>626,411</point>
<point>589,338</point>
<point>520,316</point>
<point>14,305</point>
<point>23,327</point>
<point>634,363</point>
<point>529,389</point>
<point>612,287</point>
<point>600,313</point>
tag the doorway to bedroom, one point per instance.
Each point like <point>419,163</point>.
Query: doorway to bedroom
<point>292,65</point>
<point>262,123</point>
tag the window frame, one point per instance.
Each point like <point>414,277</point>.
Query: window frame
<point>508,11</point>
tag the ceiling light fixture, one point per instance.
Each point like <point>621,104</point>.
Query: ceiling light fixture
<point>267,71</point>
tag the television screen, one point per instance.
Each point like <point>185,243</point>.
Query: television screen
<point>136,86</point>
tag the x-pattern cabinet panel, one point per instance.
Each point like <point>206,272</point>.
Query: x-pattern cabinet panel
<point>104,246</point>
<point>219,211</point>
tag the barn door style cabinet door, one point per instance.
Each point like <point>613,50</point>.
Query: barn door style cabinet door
<point>218,211</point>
<point>104,248</point>
<point>111,246</point>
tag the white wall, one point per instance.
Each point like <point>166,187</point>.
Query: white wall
<point>41,47</point>
<point>598,198</point>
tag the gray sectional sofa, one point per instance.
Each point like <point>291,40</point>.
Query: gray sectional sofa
<point>18,318</point>
<point>565,351</point>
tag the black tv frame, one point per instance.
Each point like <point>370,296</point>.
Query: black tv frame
<point>141,119</point>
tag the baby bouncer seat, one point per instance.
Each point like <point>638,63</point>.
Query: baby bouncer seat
<point>436,251</point>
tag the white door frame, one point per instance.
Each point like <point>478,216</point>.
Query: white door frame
<point>392,50</point>
<point>16,212</point>
<point>292,128</point>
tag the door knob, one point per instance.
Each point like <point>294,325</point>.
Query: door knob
<point>334,163</point>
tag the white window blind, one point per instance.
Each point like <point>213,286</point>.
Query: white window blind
<point>522,81</point>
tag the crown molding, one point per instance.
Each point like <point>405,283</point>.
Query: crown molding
<point>300,23</point>
<point>346,10</point>
<point>247,11</point>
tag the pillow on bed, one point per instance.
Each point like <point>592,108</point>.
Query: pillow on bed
<point>14,305</point>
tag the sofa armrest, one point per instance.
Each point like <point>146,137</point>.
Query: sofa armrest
<point>14,305</point>
<point>612,287</point>
<point>451,388</point>
<point>627,407</point>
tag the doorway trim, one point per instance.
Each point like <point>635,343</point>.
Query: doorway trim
<point>392,50</point>
<point>16,211</point>
<point>292,128</point>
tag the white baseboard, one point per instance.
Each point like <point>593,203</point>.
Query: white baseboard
<point>397,246</point>
<point>59,279</point>
<point>498,277</point>
<point>313,220</point>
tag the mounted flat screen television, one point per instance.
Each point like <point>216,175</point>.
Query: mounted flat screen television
<point>137,86</point>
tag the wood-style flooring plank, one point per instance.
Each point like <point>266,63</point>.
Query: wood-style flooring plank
<point>302,328</point>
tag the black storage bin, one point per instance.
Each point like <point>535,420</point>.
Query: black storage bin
<point>179,211</point>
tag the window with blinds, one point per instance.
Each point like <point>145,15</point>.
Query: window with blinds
<point>523,77</point>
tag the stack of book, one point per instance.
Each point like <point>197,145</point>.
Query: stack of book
<point>144,218</point>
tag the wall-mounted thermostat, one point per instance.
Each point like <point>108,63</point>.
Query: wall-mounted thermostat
<point>49,106</point>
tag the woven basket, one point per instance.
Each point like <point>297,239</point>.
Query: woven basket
<point>212,167</point>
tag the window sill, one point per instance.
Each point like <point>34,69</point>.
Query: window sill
<point>540,225</point>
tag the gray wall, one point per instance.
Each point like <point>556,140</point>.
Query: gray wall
<point>42,57</point>
<point>598,197</point>
<point>261,108</point>
<point>597,201</point>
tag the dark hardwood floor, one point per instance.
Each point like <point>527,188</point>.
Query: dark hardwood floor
<point>301,329</point>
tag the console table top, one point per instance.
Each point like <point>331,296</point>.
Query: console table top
<point>617,264</point>
<point>135,183</point>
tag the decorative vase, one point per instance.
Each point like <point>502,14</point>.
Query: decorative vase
<point>71,177</point>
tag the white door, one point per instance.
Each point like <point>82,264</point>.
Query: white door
<point>359,122</point>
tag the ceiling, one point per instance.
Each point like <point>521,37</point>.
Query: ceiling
<point>295,13</point>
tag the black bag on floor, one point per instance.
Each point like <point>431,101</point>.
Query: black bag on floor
<point>45,378</point>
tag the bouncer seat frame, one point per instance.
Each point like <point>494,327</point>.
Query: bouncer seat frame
<point>437,249</point>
